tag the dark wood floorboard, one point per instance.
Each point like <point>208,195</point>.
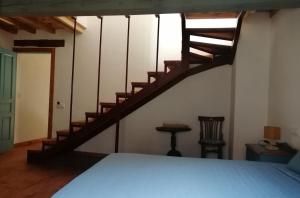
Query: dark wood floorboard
<point>19,179</point>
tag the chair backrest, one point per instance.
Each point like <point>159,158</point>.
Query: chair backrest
<point>211,128</point>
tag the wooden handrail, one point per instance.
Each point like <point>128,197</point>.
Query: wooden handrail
<point>99,65</point>
<point>72,75</point>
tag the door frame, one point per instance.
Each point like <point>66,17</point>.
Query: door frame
<point>52,74</point>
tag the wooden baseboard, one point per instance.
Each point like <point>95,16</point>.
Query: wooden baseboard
<point>30,142</point>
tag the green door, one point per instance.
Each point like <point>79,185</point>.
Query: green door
<point>7,98</point>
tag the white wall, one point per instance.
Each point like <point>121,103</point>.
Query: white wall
<point>207,93</point>
<point>284,108</point>
<point>251,82</point>
<point>32,101</point>
<point>62,73</point>
<point>6,40</point>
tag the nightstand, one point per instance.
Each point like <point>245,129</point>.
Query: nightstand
<point>256,152</point>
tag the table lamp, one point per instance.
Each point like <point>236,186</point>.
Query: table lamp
<point>272,134</point>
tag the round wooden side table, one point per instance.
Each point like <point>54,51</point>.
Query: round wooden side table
<point>173,129</point>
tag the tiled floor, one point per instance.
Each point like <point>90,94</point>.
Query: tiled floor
<point>19,179</point>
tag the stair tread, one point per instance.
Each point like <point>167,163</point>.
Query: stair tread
<point>139,84</point>
<point>154,73</point>
<point>202,44</point>
<point>92,114</point>
<point>65,132</point>
<point>108,104</point>
<point>78,123</point>
<point>196,58</point>
<point>52,141</point>
<point>172,62</point>
<point>210,49</point>
<point>201,56</point>
<point>228,36</point>
<point>123,94</point>
<point>211,30</point>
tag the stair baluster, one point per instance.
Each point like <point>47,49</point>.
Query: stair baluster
<point>185,43</point>
<point>72,75</point>
<point>127,54</point>
<point>126,84</point>
<point>237,35</point>
<point>157,46</point>
<point>99,65</point>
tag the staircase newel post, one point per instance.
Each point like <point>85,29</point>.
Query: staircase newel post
<point>185,44</point>
<point>72,75</point>
<point>157,44</point>
<point>99,65</point>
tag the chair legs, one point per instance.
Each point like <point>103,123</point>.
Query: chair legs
<point>203,151</point>
<point>220,152</point>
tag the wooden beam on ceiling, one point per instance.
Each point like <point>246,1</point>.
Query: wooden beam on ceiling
<point>7,26</point>
<point>273,13</point>
<point>39,24</point>
<point>39,43</point>
<point>21,25</point>
<point>126,7</point>
<point>68,23</point>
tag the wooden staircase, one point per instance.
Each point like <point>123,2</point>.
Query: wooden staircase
<point>197,56</point>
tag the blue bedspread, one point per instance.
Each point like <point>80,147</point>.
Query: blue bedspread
<point>149,176</point>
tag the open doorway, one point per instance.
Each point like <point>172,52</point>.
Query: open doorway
<point>34,94</point>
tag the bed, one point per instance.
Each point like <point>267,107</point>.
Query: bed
<point>149,176</point>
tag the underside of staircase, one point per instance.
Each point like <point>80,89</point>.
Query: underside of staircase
<point>197,56</point>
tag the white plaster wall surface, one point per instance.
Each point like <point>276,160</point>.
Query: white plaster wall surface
<point>251,82</point>
<point>284,106</point>
<point>6,40</point>
<point>62,74</point>
<point>32,101</point>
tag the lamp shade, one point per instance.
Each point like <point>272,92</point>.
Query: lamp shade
<point>272,133</point>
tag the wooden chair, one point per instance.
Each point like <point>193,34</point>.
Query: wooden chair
<point>211,135</point>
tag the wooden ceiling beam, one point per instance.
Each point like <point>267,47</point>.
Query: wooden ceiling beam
<point>68,23</point>
<point>131,7</point>
<point>8,27</point>
<point>273,13</point>
<point>39,43</point>
<point>39,24</point>
<point>21,25</point>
